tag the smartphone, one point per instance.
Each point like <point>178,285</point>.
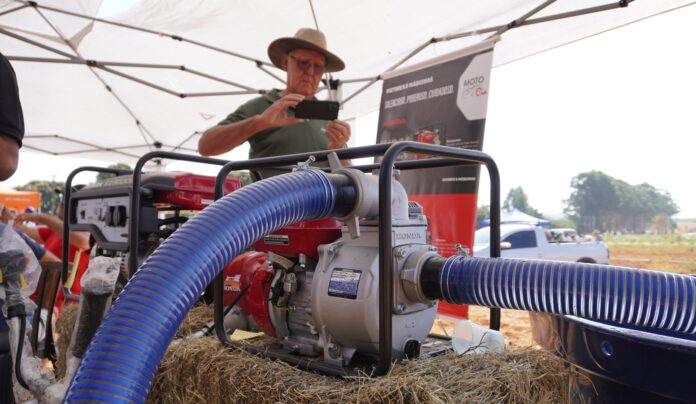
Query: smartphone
<point>313,109</point>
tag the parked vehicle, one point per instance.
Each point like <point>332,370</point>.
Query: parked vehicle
<point>526,241</point>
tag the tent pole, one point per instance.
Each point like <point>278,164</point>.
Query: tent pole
<point>100,64</point>
<point>80,61</point>
<point>14,9</point>
<point>332,95</point>
<point>149,31</point>
<point>522,19</point>
<point>357,80</point>
<point>208,76</point>
<point>179,146</point>
<point>553,17</point>
<point>394,66</point>
<point>95,147</point>
<point>225,51</point>
<point>80,142</point>
<point>497,29</point>
<point>137,80</point>
<point>91,69</point>
<point>37,44</point>
<point>269,73</point>
<point>219,93</point>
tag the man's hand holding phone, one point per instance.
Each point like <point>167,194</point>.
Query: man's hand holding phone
<point>277,114</point>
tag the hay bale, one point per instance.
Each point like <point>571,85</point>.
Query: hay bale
<point>202,370</point>
<point>195,320</point>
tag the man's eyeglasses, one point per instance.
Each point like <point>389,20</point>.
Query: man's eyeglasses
<point>305,64</point>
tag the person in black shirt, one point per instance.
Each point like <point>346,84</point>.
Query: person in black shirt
<point>11,120</point>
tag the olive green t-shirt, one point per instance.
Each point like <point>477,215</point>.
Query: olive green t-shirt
<point>299,138</point>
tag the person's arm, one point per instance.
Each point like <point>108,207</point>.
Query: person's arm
<point>39,251</point>
<point>223,138</point>
<point>32,232</point>
<point>49,257</point>
<point>79,239</point>
<point>9,155</point>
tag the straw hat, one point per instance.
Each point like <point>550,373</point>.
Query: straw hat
<point>306,38</point>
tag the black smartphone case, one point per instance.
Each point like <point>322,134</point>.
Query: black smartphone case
<point>312,109</point>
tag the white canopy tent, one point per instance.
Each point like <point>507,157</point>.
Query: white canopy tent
<point>114,90</point>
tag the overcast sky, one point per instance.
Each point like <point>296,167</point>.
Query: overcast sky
<point>623,102</point>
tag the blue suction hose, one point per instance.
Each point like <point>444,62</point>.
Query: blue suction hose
<point>123,357</point>
<point>643,298</point>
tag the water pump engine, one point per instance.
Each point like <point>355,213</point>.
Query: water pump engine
<point>314,286</point>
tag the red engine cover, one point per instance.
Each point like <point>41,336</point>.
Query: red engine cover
<point>195,192</point>
<point>301,238</point>
<point>250,269</point>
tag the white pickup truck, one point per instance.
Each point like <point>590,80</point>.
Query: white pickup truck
<point>526,241</point>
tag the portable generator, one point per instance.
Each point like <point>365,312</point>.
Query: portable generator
<point>167,199</point>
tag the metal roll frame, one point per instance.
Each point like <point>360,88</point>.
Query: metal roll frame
<point>449,156</point>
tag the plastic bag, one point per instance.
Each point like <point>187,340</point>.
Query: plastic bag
<point>472,338</point>
<point>11,243</point>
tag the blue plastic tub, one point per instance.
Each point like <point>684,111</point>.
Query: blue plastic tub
<point>619,364</point>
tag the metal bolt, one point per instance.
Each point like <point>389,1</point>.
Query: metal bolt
<point>400,308</point>
<point>462,250</point>
<point>305,165</point>
<point>400,252</point>
<point>333,249</point>
<point>334,350</point>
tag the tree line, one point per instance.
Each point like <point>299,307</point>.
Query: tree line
<point>601,202</point>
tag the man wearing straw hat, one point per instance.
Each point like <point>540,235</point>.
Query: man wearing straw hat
<point>264,121</point>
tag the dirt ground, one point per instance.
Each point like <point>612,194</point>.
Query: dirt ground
<point>515,323</point>
<point>672,258</point>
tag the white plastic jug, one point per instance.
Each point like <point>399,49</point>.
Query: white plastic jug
<point>469,337</point>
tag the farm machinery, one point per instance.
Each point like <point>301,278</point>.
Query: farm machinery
<point>334,264</point>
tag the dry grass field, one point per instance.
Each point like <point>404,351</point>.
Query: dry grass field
<point>672,253</point>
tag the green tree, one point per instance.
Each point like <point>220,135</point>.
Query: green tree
<point>121,166</point>
<point>49,198</point>
<point>563,224</point>
<point>517,199</point>
<point>604,203</point>
<point>593,202</point>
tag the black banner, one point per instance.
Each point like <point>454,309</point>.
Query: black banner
<point>442,101</point>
